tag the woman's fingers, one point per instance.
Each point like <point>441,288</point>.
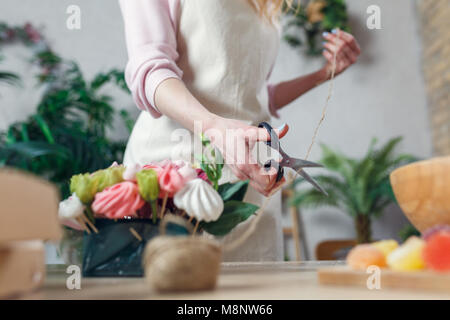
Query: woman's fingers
<point>344,56</point>
<point>239,174</point>
<point>237,151</point>
<point>260,134</point>
<point>344,41</point>
<point>350,40</point>
<point>260,179</point>
<point>343,46</point>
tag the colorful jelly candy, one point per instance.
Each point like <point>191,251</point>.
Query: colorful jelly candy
<point>437,251</point>
<point>427,234</point>
<point>365,255</point>
<point>408,257</point>
<point>386,246</point>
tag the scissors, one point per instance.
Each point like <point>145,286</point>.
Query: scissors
<point>287,161</point>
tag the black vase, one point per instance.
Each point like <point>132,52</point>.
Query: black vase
<point>115,252</point>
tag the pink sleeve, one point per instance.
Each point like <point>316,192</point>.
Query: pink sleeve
<point>273,111</point>
<point>151,35</point>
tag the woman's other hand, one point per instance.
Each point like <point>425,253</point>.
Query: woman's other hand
<point>236,140</point>
<point>346,47</point>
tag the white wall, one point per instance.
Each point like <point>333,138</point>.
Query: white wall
<point>381,96</point>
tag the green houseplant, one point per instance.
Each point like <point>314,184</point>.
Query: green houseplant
<point>306,20</point>
<point>68,133</point>
<point>8,77</point>
<point>359,187</point>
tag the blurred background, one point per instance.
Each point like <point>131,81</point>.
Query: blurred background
<point>399,88</point>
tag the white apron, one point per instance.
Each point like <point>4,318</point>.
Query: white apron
<point>226,54</point>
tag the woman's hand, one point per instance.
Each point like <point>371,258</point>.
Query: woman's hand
<point>236,140</point>
<point>346,48</point>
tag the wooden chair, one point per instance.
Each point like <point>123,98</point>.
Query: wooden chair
<point>296,231</point>
<point>327,250</point>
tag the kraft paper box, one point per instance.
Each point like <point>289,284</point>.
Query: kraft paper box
<point>22,267</point>
<point>28,215</point>
<point>28,208</point>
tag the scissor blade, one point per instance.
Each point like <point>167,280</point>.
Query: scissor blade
<point>297,164</point>
<point>312,181</point>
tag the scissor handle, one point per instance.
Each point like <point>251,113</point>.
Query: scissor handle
<point>273,135</point>
<point>274,164</point>
<point>273,140</point>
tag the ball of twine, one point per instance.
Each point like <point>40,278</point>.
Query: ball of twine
<point>174,264</point>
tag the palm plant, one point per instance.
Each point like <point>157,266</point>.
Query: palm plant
<point>359,187</point>
<point>8,77</point>
<point>68,133</point>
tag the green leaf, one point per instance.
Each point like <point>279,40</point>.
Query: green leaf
<point>44,128</point>
<point>34,149</point>
<point>357,186</point>
<point>9,78</point>
<point>234,213</point>
<point>233,191</point>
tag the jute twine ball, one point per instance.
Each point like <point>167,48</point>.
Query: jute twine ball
<point>174,264</point>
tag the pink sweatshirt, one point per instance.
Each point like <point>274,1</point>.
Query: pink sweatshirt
<point>151,35</point>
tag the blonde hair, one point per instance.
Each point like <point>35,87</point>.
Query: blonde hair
<point>270,9</point>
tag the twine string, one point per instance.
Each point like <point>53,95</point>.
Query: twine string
<point>291,178</point>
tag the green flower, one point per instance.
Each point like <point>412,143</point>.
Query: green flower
<point>147,181</point>
<point>86,186</point>
<point>107,177</point>
<point>83,187</point>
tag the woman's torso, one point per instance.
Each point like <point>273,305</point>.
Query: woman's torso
<point>226,52</point>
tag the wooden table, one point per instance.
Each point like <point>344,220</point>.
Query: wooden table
<point>283,280</point>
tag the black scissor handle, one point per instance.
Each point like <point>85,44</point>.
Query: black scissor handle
<point>274,142</point>
<point>274,164</point>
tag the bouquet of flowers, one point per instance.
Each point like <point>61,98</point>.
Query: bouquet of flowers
<point>141,196</point>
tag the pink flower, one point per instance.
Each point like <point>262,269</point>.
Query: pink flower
<point>32,33</point>
<point>170,180</point>
<point>202,175</point>
<point>172,176</point>
<point>188,173</point>
<point>119,201</point>
<point>155,166</point>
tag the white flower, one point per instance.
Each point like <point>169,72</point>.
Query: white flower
<point>188,173</point>
<point>130,172</point>
<point>199,200</point>
<point>70,208</point>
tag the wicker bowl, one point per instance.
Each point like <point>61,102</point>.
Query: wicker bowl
<point>174,264</point>
<point>422,190</point>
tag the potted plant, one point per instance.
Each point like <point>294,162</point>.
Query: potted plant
<point>306,21</point>
<point>359,187</point>
<point>68,133</point>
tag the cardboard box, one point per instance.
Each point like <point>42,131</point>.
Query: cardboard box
<point>22,267</point>
<point>28,208</point>
<point>28,215</point>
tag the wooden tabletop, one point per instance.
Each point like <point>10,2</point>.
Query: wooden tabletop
<point>283,280</point>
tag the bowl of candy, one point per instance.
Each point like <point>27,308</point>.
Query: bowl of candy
<point>422,190</point>
<point>430,252</point>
